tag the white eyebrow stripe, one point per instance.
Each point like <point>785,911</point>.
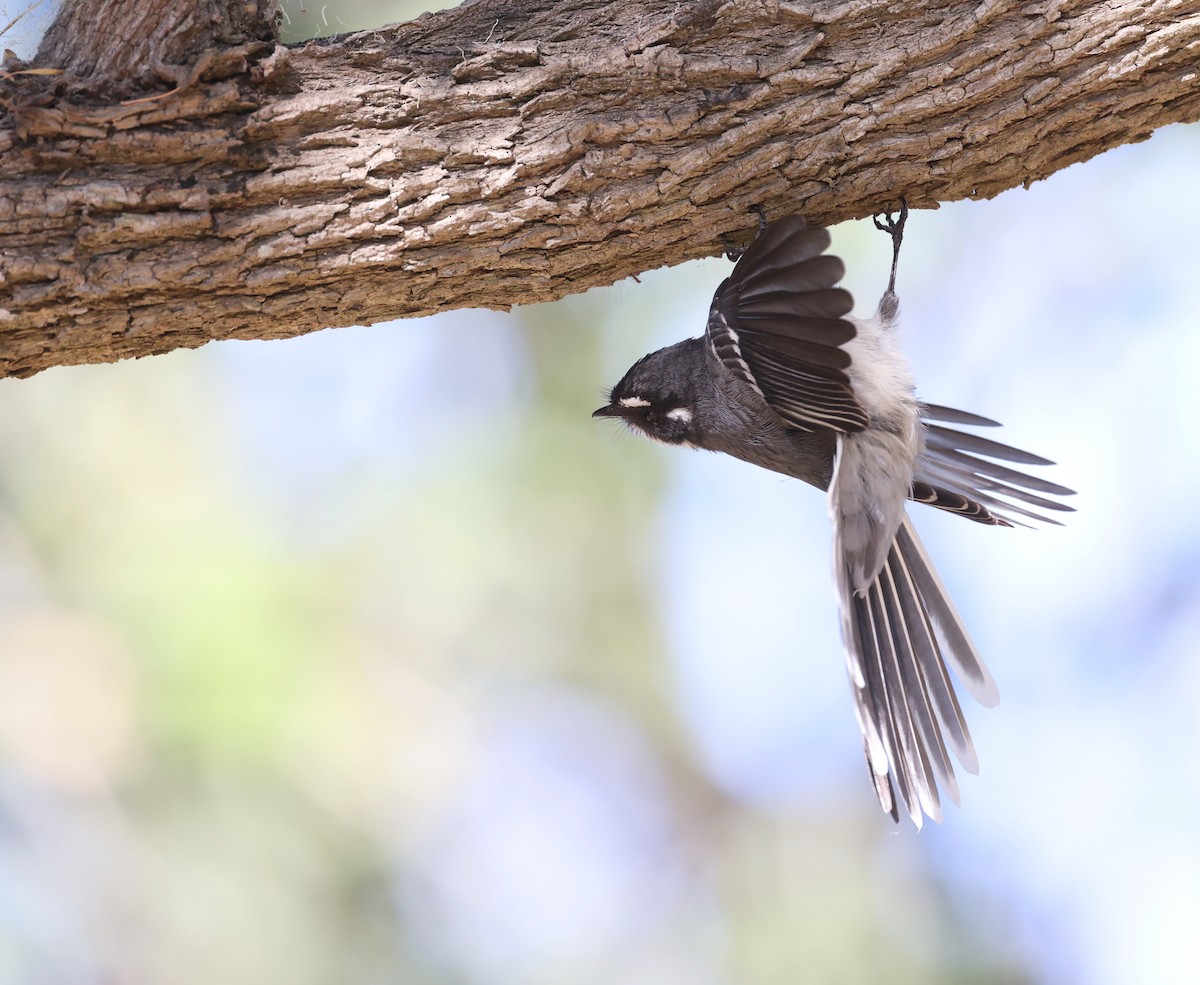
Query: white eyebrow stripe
<point>633,402</point>
<point>680,414</point>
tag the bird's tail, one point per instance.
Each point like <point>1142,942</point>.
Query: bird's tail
<point>903,637</point>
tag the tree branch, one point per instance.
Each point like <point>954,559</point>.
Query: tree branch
<point>505,153</point>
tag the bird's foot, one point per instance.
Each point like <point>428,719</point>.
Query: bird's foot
<point>735,252</point>
<point>895,229</point>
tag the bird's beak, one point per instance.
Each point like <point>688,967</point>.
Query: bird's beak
<point>608,410</point>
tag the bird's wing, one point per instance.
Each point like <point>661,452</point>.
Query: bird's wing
<point>777,324</point>
<point>954,473</point>
<point>903,636</point>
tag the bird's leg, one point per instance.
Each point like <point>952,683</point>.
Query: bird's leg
<point>895,229</point>
<point>889,303</point>
<point>735,252</point>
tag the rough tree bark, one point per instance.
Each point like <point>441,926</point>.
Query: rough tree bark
<point>508,152</point>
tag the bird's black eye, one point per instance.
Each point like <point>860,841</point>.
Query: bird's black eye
<point>651,417</point>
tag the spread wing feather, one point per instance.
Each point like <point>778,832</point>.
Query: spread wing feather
<point>777,324</point>
<point>948,415</point>
<point>961,473</point>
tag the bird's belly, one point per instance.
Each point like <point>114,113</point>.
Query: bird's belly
<point>800,455</point>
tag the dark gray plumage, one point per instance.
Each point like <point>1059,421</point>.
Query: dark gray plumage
<point>784,379</point>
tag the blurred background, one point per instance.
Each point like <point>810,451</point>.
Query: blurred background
<point>369,658</point>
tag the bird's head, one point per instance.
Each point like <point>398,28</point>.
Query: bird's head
<point>657,397</point>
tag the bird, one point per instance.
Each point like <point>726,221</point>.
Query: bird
<point>785,378</point>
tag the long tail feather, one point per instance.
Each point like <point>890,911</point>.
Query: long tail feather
<point>903,640</point>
